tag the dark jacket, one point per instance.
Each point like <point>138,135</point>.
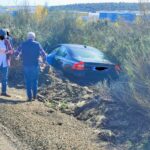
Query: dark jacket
<point>30,51</point>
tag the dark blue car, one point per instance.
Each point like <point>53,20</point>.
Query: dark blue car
<point>82,61</point>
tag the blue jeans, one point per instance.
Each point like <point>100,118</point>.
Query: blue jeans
<point>4,78</point>
<point>31,74</point>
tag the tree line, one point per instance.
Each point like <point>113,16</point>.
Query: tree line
<point>98,7</point>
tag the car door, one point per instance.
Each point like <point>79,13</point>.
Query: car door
<point>51,57</point>
<point>60,56</point>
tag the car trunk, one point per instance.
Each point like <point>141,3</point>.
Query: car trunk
<point>98,67</point>
<point>101,68</point>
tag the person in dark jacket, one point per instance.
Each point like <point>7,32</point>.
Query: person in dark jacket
<point>30,51</point>
<point>6,51</point>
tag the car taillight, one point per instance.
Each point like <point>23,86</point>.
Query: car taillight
<point>117,68</point>
<point>78,66</point>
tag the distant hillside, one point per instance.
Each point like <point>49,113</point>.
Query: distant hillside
<point>98,6</point>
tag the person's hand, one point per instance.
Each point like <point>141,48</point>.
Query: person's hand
<point>9,52</point>
<point>40,60</point>
<point>17,58</point>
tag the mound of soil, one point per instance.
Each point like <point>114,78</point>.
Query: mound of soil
<point>116,122</point>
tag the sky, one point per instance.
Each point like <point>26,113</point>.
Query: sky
<point>56,2</point>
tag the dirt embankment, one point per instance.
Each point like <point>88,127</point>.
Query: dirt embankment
<point>124,125</point>
<point>118,125</point>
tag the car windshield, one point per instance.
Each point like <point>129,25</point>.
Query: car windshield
<point>87,53</point>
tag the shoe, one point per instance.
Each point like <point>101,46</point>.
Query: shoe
<point>5,94</point>
<point>29,99</point>
<point>34,97</point>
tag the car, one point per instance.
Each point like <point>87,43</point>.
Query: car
<point>81,61</point>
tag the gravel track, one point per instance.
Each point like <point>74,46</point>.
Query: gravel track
<point>32,125</point>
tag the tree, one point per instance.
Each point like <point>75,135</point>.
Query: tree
<point>41,13</point>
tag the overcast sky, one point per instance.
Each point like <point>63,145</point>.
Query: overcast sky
<point>57,2</point>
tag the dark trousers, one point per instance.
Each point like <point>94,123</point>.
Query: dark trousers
<point>4,78</point>
<point>31,74</point>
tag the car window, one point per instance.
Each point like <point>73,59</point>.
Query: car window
<point>61,51</point>
<point>55,50</point>
<point>88,53</point>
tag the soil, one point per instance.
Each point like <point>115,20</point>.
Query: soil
<point>33,126</point>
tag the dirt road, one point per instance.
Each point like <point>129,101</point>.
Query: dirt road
<point>32,125</point>
<point>5,142</point>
